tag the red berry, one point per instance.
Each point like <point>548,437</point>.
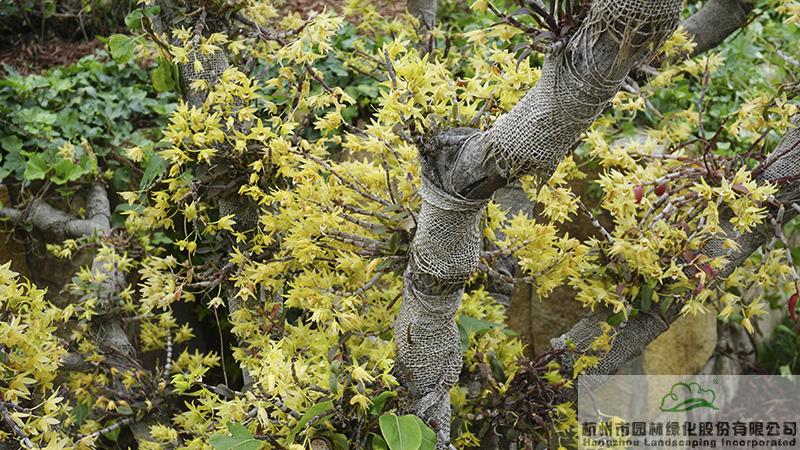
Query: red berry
<point>793,306</point>
<point>660,189</point>
<point>638,193</point>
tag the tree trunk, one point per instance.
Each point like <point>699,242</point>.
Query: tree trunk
<point>425,11</point>
<point>462,168</point>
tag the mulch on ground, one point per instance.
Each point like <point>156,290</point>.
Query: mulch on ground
<point>33,55</point>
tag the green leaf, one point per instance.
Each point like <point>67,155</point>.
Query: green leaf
<point>240,439</point>
<point>134,19</point>
<point>155,167</point>
<point>314,411</point>
<point>664,305</point>
<point>471,326</point>
<point>401,432</point>
<point>11,143</point>
<point>161,76</point>
<point>378,443</point>
<point>36,169</point>
<point>125,410</point>
<point>152,11</point>
<point>80,412</point>
<point>428,436</point>
<point>616,319</point>
<point>113,435</point>
<point>66,171</point>
<point>122,47</point>
<point>380,401</point>
<point>646,295</point>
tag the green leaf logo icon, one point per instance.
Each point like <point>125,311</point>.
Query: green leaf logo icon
<point>686,397</point>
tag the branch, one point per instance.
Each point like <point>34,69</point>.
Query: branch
<point>59,225</point>
<point>23,438</point>
<point>715,21</point>
<point>635,334</point>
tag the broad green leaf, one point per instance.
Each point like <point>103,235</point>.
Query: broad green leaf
<point>134,19</point>
<point>401,432</point>
<point>428,436</point>
<point>379,401</point>
<point>155,167</point>
<point>152,11</point>
<point>616,319</point>
<point>161,76</point>
<point>11,143</point>
<point>378,443</point>
<point>65,171</point>
<point>113,435</point>
<point>36,169</point>
<point>124,410</point>
<point>647,297</point>
<point>80,412</point>
<point>314,411</point>
<point>122,47</point>
<point>240,439</point>
<point>469,325</point>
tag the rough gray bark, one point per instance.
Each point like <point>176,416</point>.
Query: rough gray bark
<point>462,168</point>
<point>637,333</point>
<point>425,11</point>
<point>715,21</point>
<point>56,225</point>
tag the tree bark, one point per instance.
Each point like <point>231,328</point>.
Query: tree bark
<point>57,225</point>
<point>715,21</point>
<point>462,168</point>
<point>425,11</point>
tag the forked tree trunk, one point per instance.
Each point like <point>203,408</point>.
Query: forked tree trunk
<point>462,168</point>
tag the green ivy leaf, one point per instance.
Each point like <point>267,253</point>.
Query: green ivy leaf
<point>401,432</point>
<point>240,439</point>
<point>36,169</point>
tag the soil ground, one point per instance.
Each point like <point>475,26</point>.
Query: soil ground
<point>30,54</point>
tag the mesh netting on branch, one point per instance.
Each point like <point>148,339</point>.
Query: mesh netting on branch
<point>201,67</point>
<point>578,81</point>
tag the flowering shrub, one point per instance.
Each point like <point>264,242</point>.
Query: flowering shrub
<point>260,265</point>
